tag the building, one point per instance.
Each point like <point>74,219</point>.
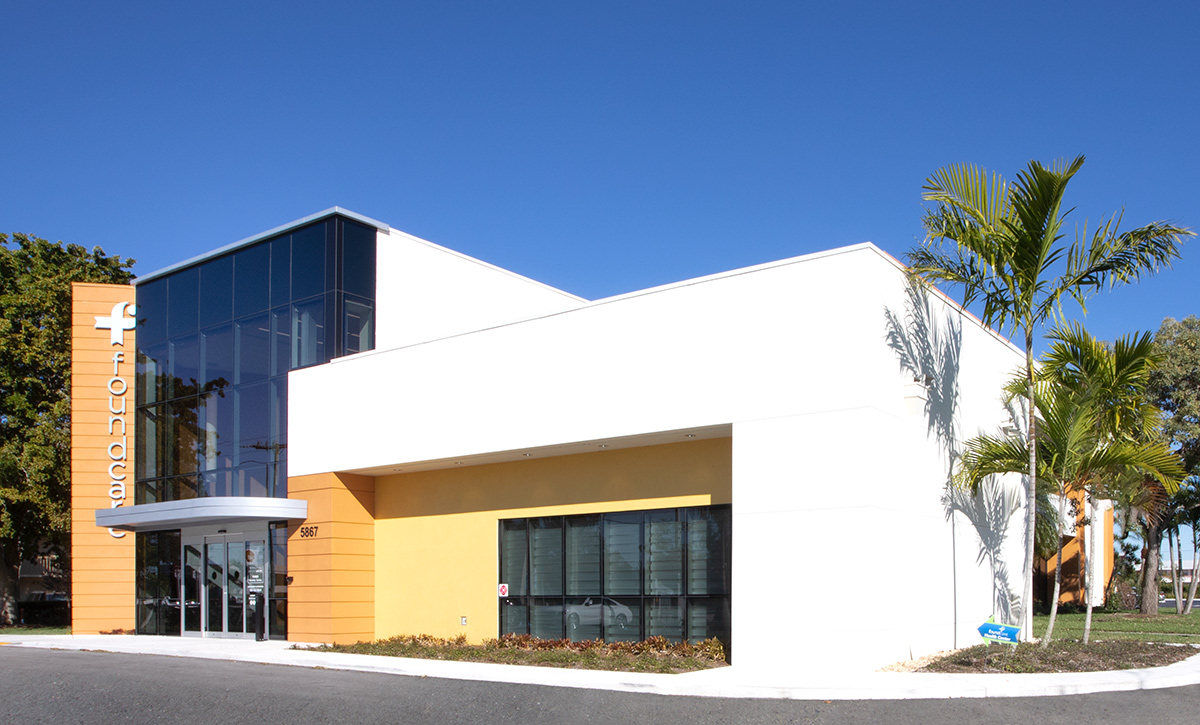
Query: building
<point>334,431</point>
<point>1087,548</point>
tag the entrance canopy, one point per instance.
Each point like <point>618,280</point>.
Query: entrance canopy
<point>201,512</point>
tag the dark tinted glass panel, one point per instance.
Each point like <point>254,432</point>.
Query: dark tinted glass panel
<point>254,348</point>
<point>179,488</point>
<point>333,277</point>
<point>546,549</point>
<point>278,422</point>
<point>708,569</point>
<point>281,271</point>
<point>184,357</point>
<point>279,567</point>
<point>357,328</point>
<point>214,587</point>
<point>251,280</point>
<point>151,373</point>
<point>183,302</point>
<point>200,351</point>
<point>149,440</point>
<point>251,480</point>
<point>707,618</point>
<point>622,553</point>
<point>253,414</point>
<point>358,259</point>
<point>308,333</point>
<point>611,557</point>
<point>583,555</point>
<point>513,561</point>
<point>622,619</point>
<point>664,553</point>
<point>156,557</point>
<point>514,616</point>
<point>218,483</point>
<point>583,618</point>
<point>308,261</point>
<point>219,443</point>
<point>216,291</point>
<point>152,312</point>
<point>193,575</point>
<point>546,619</point>
<point>281,340</point>
<point>184,439</point>
<point>279,472</point>
<point>217,357</point>
<point>235,588</point>
<point>665,618</point>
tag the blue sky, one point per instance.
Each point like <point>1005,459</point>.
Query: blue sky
<point>599,147</point>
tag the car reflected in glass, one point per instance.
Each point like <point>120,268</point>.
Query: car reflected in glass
<point>595,610</point>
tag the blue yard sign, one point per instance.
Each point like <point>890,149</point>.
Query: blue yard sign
<point>993,632</point>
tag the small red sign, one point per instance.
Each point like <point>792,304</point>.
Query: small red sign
<point>504,590</point>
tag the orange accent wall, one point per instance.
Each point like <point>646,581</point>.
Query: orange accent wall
<point>331,559</point>
<point>1074,558</point>
<point>102,566</point>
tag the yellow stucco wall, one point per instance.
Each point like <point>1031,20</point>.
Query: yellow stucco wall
<point>436,532</point>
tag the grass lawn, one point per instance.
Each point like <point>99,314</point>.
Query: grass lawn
<point>1167,626</point>
<point>1119,641</point>
<point>33,629</point>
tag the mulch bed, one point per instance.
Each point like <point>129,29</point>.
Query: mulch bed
<point>1062,656</point>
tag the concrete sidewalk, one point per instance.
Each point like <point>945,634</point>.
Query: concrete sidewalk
<point>724,682</point>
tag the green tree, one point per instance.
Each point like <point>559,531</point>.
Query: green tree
<point>1175,388</point>
<point>1003,244</point>
<point>35,407</point>
<point>1094,425</point>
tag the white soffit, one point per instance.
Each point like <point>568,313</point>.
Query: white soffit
<point>201,512</point>
<point>563,449</point>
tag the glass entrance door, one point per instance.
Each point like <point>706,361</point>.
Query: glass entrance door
<point>234,590</point>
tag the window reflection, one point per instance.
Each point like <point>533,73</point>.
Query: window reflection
<point>157,563</point>
<point>254,348</point>
<point>614,570</point>
<point>357,320</point>
<point>215,344</point>
<point>217,355</point>
<point>251,276</point>
<point>216,288</point>
<point>308,333</point>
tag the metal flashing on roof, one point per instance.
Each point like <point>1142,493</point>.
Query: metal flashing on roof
<point>331,211</point>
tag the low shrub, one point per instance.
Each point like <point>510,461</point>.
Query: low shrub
<point>656,654</point>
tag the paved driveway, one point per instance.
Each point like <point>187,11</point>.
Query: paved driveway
<point>54,686</point>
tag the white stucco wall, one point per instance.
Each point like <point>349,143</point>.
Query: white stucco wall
<point>834,460</point>
<point>425,292</point>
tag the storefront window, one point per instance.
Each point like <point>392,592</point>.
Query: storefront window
<point>618,576</point>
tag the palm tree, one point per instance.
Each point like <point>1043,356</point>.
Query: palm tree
<point>1095,427</point>
<point>1003,245</point>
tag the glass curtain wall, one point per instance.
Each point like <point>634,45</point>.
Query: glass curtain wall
<point>618,576</point>
<point>215,342</point>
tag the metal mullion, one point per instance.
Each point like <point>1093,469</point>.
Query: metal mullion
<point>603,580</point>
<point>643,570</point>
<point>562,549</point>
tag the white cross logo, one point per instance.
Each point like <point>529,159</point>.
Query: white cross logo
<point>118,323</point>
